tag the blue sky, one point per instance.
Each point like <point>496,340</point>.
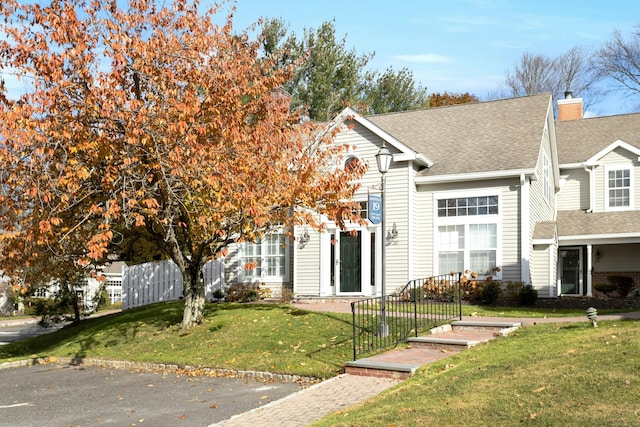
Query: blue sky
<point>458,45</point>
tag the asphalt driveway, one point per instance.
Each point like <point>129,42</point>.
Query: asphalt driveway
<point>64,395</point>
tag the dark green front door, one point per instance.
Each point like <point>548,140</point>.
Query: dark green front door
<point>350,262</point>
<point>570,279</point>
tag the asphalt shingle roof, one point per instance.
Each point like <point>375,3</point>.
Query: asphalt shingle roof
<point>580,223</point>
<point>545,230</point>
<point>470,138</point>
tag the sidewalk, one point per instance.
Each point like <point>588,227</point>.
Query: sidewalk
<point>312,404</point>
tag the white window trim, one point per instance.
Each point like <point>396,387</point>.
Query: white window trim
<point>242,278</point>
<point>466,221</point>
<point>616,167</point>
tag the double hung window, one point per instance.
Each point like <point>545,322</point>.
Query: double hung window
<point>619,194</point>
<point>265,259</point>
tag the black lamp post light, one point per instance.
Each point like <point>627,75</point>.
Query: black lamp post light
<point>383,158</point>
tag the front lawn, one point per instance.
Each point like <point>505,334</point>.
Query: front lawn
<point>566,374</point>
<point>261,337</point>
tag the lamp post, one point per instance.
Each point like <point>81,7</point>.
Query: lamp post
<point>383,158</point>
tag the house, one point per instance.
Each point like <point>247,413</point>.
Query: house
<point>497,187</point>
<point>598,218</point>
<point>501,188</point>
<point>471,186</point>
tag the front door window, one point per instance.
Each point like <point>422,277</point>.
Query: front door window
<point>570,271</point>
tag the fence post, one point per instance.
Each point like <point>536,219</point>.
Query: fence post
<point>353,326</point>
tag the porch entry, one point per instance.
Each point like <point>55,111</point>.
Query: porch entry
<point>570,270</point>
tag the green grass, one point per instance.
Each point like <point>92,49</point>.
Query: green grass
<point>262,337</point>
<point>547,375</point>
<point>530,312</point>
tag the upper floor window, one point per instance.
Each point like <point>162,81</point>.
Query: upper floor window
<point>619,193</point>
<point>468,206</point>
<point>265,259</point>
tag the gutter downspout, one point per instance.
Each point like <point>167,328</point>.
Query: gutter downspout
<point>524,230</point>
<point>592,185</point>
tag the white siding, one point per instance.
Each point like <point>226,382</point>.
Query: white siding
<point>540,210</point>
<point>306,280</point>
<point>574,193</point>
<point>542,261</point>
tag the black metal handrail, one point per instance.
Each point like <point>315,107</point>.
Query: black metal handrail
<point>420,304</point>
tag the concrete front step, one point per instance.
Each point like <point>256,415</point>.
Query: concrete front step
<point>440,343</point>
<point>380,369</point>
<point>471,325</point>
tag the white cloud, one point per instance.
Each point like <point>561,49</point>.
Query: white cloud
<point>427,58</point>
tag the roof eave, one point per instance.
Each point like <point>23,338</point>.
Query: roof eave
<point>406,153</point>
<point>607,238</point>
<point>475,176</point>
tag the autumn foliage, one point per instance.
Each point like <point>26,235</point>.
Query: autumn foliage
<point>149,130</point>
<point>450,98</point>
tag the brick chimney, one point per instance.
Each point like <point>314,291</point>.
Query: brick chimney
<point>569,108</point>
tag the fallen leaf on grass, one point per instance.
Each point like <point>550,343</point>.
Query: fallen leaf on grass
<point>539,389</point>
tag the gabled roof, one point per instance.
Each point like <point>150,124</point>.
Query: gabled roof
<point>589,139</point>
<point>406,152</point>
<point>496,138</point>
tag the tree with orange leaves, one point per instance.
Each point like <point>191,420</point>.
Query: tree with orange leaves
<point>450,98</point>
<point>150,130</point>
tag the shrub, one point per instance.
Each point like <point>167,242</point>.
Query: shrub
<point>624,284</point>
<point>416,294</point>
<point>512,291</point>
<point>218,294</point>
<point>241,293</point>
<point>527,296</point>
<point>490,292</point>
<point>605,288</point>
<point>286,295</point>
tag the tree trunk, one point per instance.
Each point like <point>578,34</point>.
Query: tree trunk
<point>193,282</point>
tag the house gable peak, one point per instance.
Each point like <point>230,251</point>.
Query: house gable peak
<point>617,144</point>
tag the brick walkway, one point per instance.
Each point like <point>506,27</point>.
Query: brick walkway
<point>312,404</point>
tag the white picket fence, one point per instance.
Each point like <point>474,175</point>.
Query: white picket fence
<point>161,281</point>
